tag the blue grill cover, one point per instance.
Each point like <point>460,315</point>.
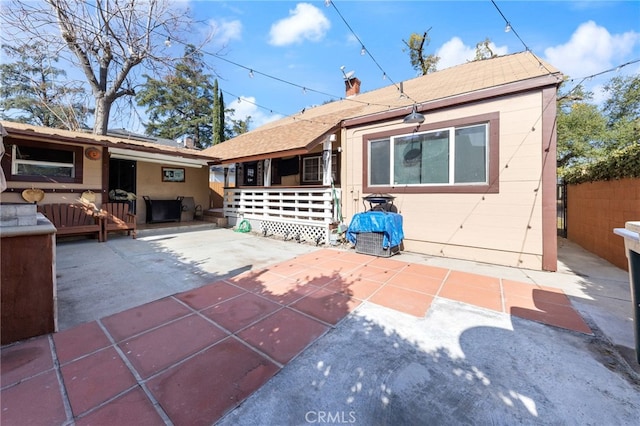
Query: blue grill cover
<point>390,224</point>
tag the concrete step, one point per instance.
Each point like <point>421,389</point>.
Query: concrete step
<point>215,216</point>
<point>213,212</point>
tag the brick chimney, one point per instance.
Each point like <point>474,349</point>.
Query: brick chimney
<point>352,86</point>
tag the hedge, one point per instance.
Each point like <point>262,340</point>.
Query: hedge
<point>624,163</point>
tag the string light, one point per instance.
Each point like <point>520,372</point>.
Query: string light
<point>363,51</point>
<point>250,73</point>
<point>590,77</point>
<point>508,27</point>
<point>253,71</point>
<point>384,75</point>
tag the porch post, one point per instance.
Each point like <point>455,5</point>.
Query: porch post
<point>326,162</point>
<point>267,172</point>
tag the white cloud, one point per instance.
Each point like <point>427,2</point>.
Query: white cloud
<point>590,50</point>
<point>246,107</point>
<point>225,31</point>
<point>305,22</point>
<point>455,52</point>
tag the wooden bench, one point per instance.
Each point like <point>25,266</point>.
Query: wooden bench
<point>73,219</point>
<point>116,217</point>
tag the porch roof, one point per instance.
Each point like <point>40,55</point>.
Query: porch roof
<point>301,132</point>
<point>142,148</point>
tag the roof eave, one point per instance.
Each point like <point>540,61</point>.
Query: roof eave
<point>457,100</point>
<point>32,133</point>
<point>263,156</point>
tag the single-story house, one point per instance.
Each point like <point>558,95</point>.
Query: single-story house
<point>468,153</point>
<point>65,164</point>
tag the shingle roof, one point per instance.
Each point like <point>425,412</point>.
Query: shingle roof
<point>15,129</point>
<point>306,129</point>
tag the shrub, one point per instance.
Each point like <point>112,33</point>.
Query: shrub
<point>623,163</point>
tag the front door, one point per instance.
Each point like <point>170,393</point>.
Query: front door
<point>122,177</point>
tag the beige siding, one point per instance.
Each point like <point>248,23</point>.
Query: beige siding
<point>149,182</point>
<point>503,228</point>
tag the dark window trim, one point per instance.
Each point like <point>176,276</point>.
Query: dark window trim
<point>493,185</point>
<point>319,182</point>
<point>78,162</point>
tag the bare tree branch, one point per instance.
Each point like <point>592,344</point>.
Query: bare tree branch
<point>108,39</point>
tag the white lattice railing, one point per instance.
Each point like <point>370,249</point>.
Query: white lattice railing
<point>301,213</point>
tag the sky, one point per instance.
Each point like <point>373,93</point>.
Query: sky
<point>292,46</point>
<point>296,49</point>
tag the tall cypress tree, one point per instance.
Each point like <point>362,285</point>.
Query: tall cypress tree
<point>218,115</point>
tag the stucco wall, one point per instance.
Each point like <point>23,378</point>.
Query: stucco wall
<point>149,182</point>
<point>503,228</point>
<point>595,208</point>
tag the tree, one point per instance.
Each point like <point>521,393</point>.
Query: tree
<point>580,128</point>
<point>484,51</point>
<point>218,115</point>
<point>622,109</point>
<point>580,134</point>
<point>180,103</point>
<point>107,40</point>
<point>420,62</point>
<point>587,133</point>
<point>237,127</point>
<point>32,89</point>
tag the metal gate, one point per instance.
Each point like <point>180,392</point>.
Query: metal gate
<point>561,202</point>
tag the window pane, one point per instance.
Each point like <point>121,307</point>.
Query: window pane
<point>422,158</point>
<point>44,154</point>
<point>334,167</point>
<point>435,158</point>
<point>471,155</point>
<point>311,171</point>
<point>380,163</point>
<point>44,170</point>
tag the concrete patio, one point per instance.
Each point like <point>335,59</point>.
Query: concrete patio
<point>211,326</point>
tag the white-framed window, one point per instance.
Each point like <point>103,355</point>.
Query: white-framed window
<point>313,168</point>
<point>45,162</point>
<point>34,161</point>
<point>447,156</point>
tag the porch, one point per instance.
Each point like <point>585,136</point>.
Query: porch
<point>300,213</point>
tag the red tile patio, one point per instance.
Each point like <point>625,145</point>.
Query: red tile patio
<point>191,358</point>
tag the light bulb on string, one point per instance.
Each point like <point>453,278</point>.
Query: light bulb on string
<point>250,73</point>
<point>363,51</point>
<point>507,28</point>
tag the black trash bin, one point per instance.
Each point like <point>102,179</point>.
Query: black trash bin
<point>631,234</point>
